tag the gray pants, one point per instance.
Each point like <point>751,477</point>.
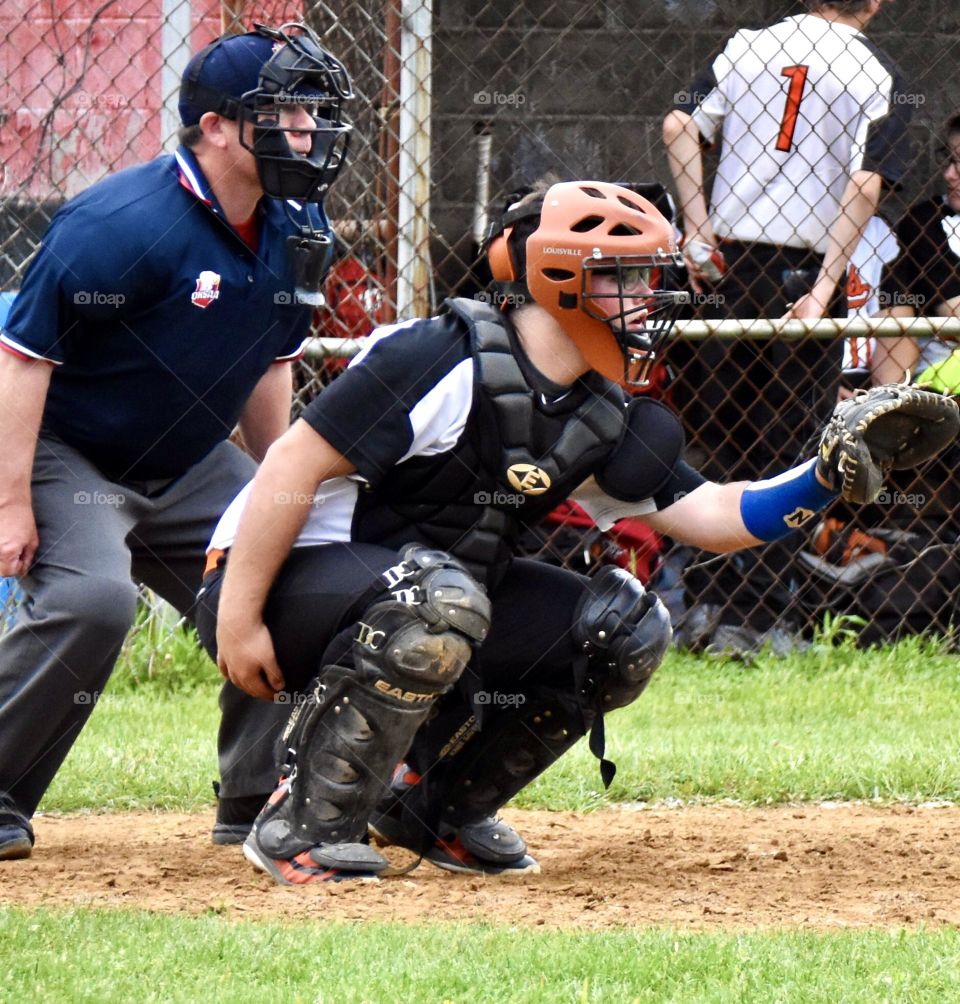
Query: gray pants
<point>97,538</point>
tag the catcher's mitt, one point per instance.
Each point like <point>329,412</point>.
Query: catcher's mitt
<point>886,428</point>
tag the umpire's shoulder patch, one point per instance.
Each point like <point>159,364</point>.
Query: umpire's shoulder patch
<point>651,444</point>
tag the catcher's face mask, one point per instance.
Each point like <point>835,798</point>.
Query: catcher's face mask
<point>623,292</point>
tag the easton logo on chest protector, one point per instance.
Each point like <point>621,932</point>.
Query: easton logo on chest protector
<point>208,289</point>
<point>528,478</point>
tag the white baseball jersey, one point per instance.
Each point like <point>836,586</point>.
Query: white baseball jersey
<point>800,106</point>
<point>878,247</point>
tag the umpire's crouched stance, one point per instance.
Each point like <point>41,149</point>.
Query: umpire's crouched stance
<point>366,575</point>
<point>159,311</point>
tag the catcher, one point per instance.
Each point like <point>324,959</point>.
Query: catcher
<point>366,575</point>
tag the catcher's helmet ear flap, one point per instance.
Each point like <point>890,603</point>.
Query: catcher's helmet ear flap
<point>590,230</point>
<point>498,255</point>
<point>504,248</point>
<point>505,258</point>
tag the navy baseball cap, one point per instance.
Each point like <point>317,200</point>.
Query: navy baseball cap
<point>221,73</point>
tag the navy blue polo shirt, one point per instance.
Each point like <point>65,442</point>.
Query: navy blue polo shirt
<point>157,316</point>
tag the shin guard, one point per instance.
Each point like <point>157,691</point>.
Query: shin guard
<point>622,632</point>
<point>361,714</point>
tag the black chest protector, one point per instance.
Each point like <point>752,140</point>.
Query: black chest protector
<point>518,457</point>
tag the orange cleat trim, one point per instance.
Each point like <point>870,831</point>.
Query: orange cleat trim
<point>300,870</point>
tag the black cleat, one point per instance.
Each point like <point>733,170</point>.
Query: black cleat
<point>16,841</point>
<point>16,833</point>
<point>487,847</point>
<point>235,817</point>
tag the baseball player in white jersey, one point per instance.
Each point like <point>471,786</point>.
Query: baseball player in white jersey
<point>811,122</point>
<point>878,247</point>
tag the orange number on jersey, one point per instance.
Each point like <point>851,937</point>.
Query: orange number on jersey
<point>798,81</point>
<point>858,291</point>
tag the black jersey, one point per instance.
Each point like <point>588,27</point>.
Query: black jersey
<point>416,413</point>
<point>927,270</point>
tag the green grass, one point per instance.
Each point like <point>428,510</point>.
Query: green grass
<point>162,656</point>
<point>151,741</point>
<point>142,750</point>
<point>123,956</point>
<point>834,723</point>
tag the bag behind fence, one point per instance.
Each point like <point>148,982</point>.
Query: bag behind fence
<point>898,583</point>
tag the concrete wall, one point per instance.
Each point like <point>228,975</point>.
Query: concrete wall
<point>585,86</point>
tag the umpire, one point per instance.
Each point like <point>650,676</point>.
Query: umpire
<point>164,307</point>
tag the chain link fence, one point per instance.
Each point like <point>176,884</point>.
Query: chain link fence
<point>460,102</point>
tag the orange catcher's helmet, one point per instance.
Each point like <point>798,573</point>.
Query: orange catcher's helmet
<point>588,230</point>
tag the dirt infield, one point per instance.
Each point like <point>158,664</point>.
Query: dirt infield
<point>817,867</point>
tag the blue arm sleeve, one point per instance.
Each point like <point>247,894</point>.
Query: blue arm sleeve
<point>771,509</point>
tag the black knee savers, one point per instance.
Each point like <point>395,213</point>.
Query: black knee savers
<point>624,632</point>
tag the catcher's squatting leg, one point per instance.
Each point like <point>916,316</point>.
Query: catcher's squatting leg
<point>472,768</point>
<point>379,680</point>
